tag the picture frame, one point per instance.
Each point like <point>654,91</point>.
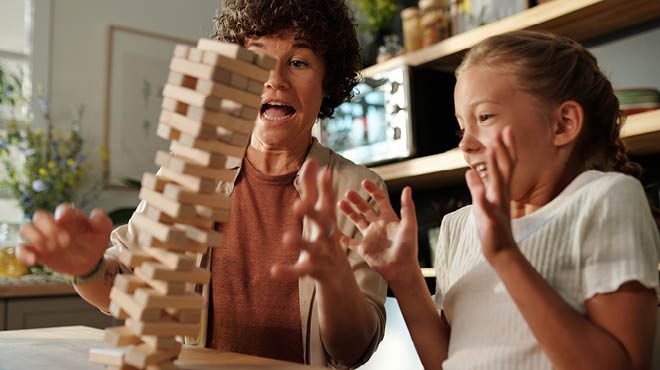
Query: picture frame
<point>137,68</point>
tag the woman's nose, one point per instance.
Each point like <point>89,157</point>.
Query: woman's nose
<point>277,78</point>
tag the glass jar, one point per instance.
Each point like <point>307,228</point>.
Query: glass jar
<point>410,19</point>
<point>434,21</point>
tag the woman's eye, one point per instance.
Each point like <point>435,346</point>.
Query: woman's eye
<point>484,117</point>
<point>298,64</point>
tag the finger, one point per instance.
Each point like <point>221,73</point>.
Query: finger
<point>308,176</point>
<point>303,209</point>
<point>510,143</point>
<point>327,195</point>
<point>356,218</point>
<point>476,187</point>
<point>363,206</point>
<point>348,242</point>
<point>292,272</point>
<point>99,221</point>
<point>26,255</point>
<point>380,197</point>
<point>70,218</point>
<point>45,223</point>
<point>34,237</point>
<point>408,215</point>
<point>494,185</point>
<point>504,161</point>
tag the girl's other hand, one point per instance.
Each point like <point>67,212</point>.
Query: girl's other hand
<point>389,244</point>
<point>491,197</point>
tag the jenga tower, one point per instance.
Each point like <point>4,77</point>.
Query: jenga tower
<point>210,103</point>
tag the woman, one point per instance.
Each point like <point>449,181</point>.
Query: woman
<point>269,296</point>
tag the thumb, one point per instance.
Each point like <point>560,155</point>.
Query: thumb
<point>476,186</point>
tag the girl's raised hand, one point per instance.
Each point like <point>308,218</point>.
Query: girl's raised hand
<point>492,198</point>
<point>388,245</point>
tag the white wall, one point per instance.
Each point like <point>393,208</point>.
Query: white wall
<point>78,52</point>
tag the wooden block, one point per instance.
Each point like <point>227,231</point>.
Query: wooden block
<point>147,240</point>
<point>153,182</point>
<point>116,311</point>
<point>255,87</point>
<point>162,328</point>
<point>228,50</point>
<point>108,356</point>
<point>153,300</point>
<point>222,119</point>
<point>221,91</point>
<point>193,183</point>
<point>249,113</point>
<point>183,166</point>
<point>128,283</point>
<point>200,70</point>
<point>264,60</point>
<point>203,157</point>
<point>134,257</point>
<point>167,365</point>
<point>163,287</point>
<point>181,51</point>
<point>192,97</point>
<point>236,66</point>
<point>216,214</point>
<point>174,105</point>
<point>134,309</point>
<point>210,237</point>
<point>195,55</point>
<point>214,146</point>
<point>185,316</point>
<point>158,215</point>
<point>174,260</point>
<point>160,342</point>
<point>121,367</point>
<point>239,82</point>
<point>158,271</point>
<point>186,125</point>
<point>120,336</point>
<point>178,194</point>
<point>143,355</point>
<point>179,79</point>
<point>171,208</point>
<point>166,132</point>
<point>164,233</point>
<point>232,138</point>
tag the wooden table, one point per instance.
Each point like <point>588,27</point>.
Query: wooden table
<point>68,347</point>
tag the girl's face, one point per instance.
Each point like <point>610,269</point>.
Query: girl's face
<point>292,96</point>
<point>486,101</point>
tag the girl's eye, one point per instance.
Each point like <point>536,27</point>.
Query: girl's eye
<point>298,64</point>
<point>484,117</point>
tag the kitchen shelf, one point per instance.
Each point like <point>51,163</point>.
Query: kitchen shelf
<point>578,19</point>
<point>641,135</point>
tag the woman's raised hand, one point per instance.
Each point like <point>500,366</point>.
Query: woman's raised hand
<point>68,241</point>
<point>389,244</point>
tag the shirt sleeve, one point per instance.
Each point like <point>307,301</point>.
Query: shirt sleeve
<point>441,264</point>
<point>620,239</point>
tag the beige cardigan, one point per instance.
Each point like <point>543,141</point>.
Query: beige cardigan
<point>345,176</point>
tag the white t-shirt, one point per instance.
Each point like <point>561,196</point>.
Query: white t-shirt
<point>594,236</point>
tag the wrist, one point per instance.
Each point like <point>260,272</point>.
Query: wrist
<point>505,257</point>
<point>88,277</point>
<point>405,277</point>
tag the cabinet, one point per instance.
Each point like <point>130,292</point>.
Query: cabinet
<point>579,19</point>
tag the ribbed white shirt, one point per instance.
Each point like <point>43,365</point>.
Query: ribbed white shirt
<point>594,236</point>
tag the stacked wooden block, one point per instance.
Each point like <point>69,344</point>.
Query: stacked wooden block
<point>210,104</point>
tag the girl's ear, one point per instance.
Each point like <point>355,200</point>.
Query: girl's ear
<point>569,118</point>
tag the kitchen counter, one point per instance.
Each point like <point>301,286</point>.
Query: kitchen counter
<point>33,286</point>
<point>68,348</point>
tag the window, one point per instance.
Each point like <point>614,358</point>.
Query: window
<point>15,50</point>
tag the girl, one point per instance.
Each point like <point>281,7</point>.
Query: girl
<point>555,263</point>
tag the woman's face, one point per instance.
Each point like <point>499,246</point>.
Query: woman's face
<point>486,101</point>
<point>292,96</point>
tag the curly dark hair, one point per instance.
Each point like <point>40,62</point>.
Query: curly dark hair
<point>327,25</point>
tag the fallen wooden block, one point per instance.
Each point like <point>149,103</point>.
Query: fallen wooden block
<point>150,298</point>
<point>108,356</point>
<point>158,271</point>
<point>143,355</point>
<point>159,231</point>
<point>120,336</point>
<point>178,194</point>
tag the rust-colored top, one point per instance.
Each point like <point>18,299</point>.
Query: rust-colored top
<point>251,312</point>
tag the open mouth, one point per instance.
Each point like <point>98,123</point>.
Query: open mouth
<point>481,170</point>
<point>275,111</point>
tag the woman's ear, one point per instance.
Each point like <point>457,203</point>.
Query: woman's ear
<point>569,118</point>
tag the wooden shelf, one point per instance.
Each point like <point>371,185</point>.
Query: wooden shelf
<point>641,135</point>
<point>578,19</point>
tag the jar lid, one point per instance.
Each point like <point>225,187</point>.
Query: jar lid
<point>424,4</point>
<point>410,12</point>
